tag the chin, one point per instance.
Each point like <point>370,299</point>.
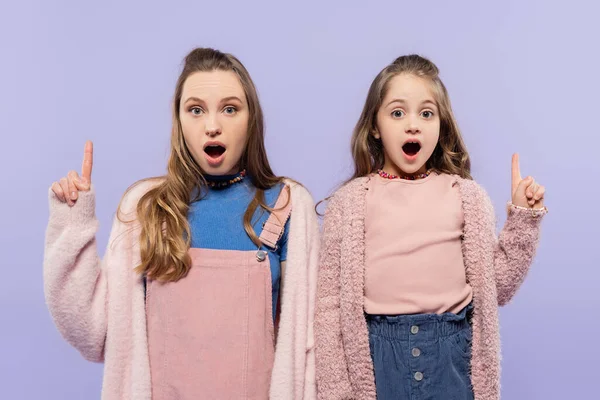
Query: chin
<point>223,169</point>
<point>215,171</point>
<point>408,169</point>
<point>413,167</point>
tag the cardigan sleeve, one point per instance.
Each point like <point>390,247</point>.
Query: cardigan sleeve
<point>310,385</point>
<point>514,248</point>
<point>74,281</point>
<point>293,374</point>
<point>333,380</point>
<point>75,278</point>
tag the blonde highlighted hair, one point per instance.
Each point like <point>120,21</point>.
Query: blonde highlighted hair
<point>165,235</point>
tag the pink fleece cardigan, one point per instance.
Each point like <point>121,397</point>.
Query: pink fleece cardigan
<point>99,305</point>
<point>495,268</point>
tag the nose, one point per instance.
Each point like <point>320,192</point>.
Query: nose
<point>212,127</point>
<point>412,126</point>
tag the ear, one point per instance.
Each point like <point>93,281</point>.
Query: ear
<point>376,134</point>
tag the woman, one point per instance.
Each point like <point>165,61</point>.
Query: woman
<point>207,287</point>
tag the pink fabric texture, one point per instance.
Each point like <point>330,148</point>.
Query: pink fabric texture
<point>272,230</point>
<point>205,341</point>
<point>98,305</point>
<point>495,268</point>
<point>423,270</point>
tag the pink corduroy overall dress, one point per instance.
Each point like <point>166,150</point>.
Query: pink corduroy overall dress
<point>211,334</point>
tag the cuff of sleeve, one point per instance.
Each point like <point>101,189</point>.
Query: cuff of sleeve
<point>82,212</point>
<point>534,212</point>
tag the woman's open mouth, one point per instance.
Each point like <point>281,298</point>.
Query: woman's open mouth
<point>214,153</point>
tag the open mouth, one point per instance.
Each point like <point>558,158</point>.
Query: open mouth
<point>411,148</point>
<point>214,150</point>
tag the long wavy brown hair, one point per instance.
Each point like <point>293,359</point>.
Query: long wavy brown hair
<point>450,155</point>
<point>165,235</point>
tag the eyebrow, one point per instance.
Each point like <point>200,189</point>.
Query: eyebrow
<point>401,101</point>
<point>225,100</point>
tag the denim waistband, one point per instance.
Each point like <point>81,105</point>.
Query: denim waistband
<point>427,326</point>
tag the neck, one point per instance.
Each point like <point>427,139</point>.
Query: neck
<point>220,181</point>
<point>420,174</point>
<point>220,178</point>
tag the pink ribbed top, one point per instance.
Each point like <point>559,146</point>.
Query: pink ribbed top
<point>414,259</point>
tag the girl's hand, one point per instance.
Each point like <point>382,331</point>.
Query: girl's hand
<point>68,188</point>
<point>525,192</point>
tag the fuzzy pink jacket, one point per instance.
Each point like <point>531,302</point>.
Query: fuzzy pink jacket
<point>99,305</point>
<point>495,268</point>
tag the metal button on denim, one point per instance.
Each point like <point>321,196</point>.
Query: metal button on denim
<point>429,346</point>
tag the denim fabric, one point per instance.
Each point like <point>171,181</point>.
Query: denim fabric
<point>422,356</point>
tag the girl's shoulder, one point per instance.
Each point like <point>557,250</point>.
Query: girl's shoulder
<point>475,198</point>
<point>471,189</point>
<point>345,197</point>
<point>350,189</point>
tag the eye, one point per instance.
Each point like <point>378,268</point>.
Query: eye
<point>230,110</point>
<point>397,114</point>
<point>427,114</point>
<point>196,110</point>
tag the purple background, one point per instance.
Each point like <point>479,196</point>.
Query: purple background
<point>523,76</point>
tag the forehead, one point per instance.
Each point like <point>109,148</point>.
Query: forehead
<point>213,84</point>
<point>410,87</point>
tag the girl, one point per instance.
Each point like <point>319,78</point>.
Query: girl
<point>207,268</point>
<point>411,272</point>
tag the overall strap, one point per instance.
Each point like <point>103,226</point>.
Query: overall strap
<point>274,226</point>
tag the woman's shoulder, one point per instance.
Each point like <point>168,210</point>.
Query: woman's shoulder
<point>135,192</point>
<point>300,195</point>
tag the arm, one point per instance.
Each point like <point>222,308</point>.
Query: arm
<point>515,249</point>
<point>310,387</point>
<point>304,206</point>
<point>75,280</point>
<point>333,381</point>
<point>516,246</point>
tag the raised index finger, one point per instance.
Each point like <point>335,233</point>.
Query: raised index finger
<point>88,160</point>
<point>516,172</point>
